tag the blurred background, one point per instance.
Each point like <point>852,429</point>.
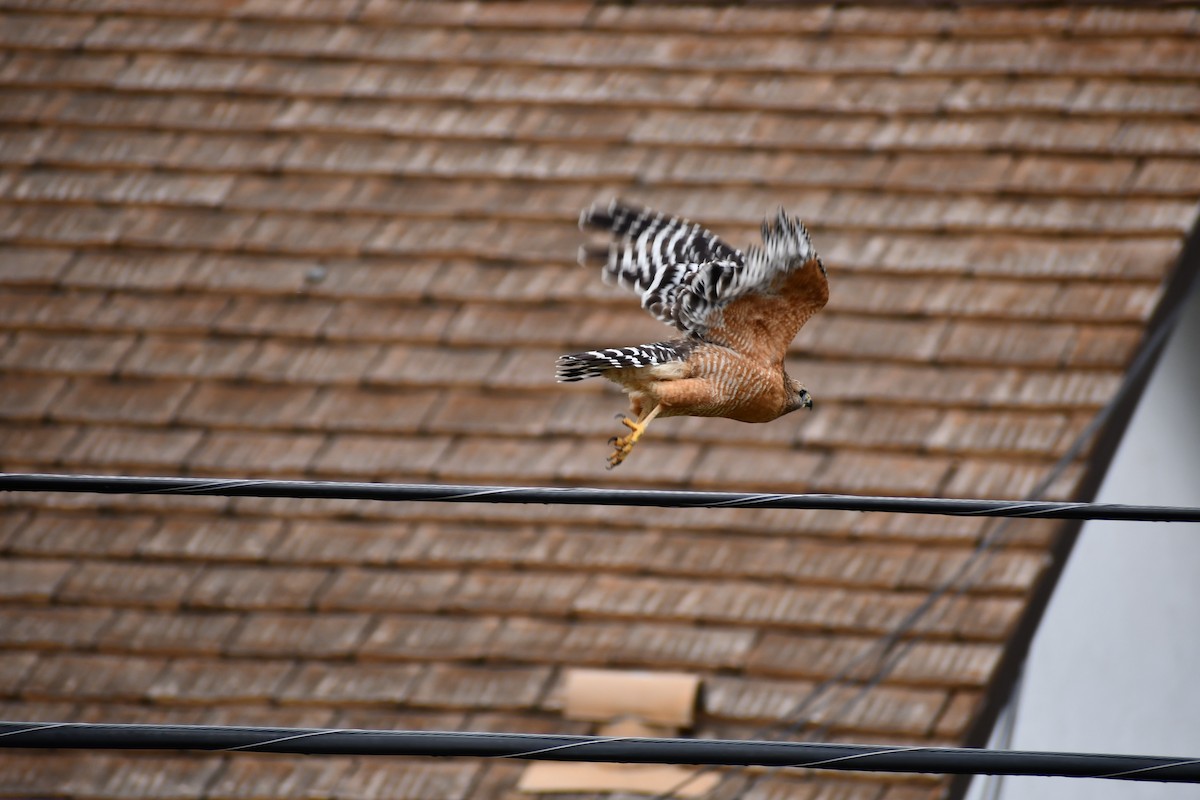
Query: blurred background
<point>336,240</point>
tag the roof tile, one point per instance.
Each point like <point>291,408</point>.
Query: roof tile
<point>294,316</point>
<point>209,681</point>
<point>997,432</point>
<point>100,147</point>
<point>168,633</point>
<point>432,366</point>
<point>185,227</point>
<point>891,21</point>
<point>508,593</point>
<point>358,589</point>
<point>248,405</point>
<point>977,20</point>
<point>1098,301</point>
<point>305,362</point>
<point>133,32</point>
<point>364,319</point>
<point>163,312</point>
<point>447,686</point>
<point>14,667</point>
<point>26,397</point>
<point>944,172</point>
<point>1097,346</point>
<point>130,270</point>
<point>290,77</point>
<point>374,409</point>
<point>301,635</point>
<point>1006,343</point>
<point>479,458</point>
<point>1170,138</point>
<point>291,192</point>
<point>774,788</point>
<point>1117,97</point>
<point>224,538</point>
<point>256,588</point>
<point>80,225</point>
<point>44,31</point>
<point>430,638</point>
<point>1015,571</point>
<point>92,676</point>
<point>23,145</point>
<point>872,338</point>
<point>35,581</point>
<point>1074,174</point>
<point>727,466</point>
<point>246,151</point>
<point>869,473</point>
<point>673,646</point>
<point>351,684</point>
<point>366,455</point>
<point>333,542</point>
<point>996,479</point>
<point>424,780</point>
<point>107,400</point>
<point>122,584</point>
<point>311,235</point>
<point>292,776</point>
<point>958,714</point>
<point>175,357</point>
<point>52,628</point>
<point>28,444</point>
<point>46,533</point>
<point>171,73</point>
<point>1167,175</point>
<point>114,448</point>
<point>869,426</point>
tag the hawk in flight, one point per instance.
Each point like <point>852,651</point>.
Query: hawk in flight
<point>738,312</point>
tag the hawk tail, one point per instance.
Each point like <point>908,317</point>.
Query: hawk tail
<point>595,363</point>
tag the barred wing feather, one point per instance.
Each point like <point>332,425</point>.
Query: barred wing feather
<point>686,275</point>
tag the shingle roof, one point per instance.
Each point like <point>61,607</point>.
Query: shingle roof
<point>336,240</point>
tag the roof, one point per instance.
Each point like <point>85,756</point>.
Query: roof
<point>336,240</point>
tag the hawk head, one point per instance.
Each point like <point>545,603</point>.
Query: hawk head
<point>797,395</point>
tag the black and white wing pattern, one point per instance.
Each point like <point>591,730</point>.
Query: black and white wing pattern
<point>593,363</point>
<point>684,273</point>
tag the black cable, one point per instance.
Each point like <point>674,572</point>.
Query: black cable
<point>619,749</point>
<point>551,495</point>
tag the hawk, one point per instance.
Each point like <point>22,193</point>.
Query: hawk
<point>738,312</point>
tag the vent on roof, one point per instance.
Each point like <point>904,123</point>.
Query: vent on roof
<point>651,704</point>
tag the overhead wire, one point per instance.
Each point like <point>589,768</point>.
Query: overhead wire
<point>562,495</point>
<point>605,749</point>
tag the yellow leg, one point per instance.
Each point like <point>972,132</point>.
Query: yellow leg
<point>623,445</point>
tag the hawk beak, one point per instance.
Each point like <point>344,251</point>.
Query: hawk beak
<point>806,400</point>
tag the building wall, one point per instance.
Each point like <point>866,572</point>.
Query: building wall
<point>1115,665</point>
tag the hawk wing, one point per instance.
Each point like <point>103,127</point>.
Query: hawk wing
<point>689,278</point>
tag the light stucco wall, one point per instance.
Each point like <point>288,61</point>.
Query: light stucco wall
<point>1115,664</point>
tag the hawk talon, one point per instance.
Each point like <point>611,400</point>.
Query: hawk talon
<point>623,445</point>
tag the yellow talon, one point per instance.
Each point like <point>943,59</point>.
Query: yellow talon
<point>623,445</point>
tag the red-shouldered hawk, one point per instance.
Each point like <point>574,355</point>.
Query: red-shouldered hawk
<point>738,313</point>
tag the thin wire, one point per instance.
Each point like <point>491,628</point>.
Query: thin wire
<point>552,495</point>
<point>562,747</point>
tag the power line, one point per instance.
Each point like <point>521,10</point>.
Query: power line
<point>553,495</point>
<point>619,749</point>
